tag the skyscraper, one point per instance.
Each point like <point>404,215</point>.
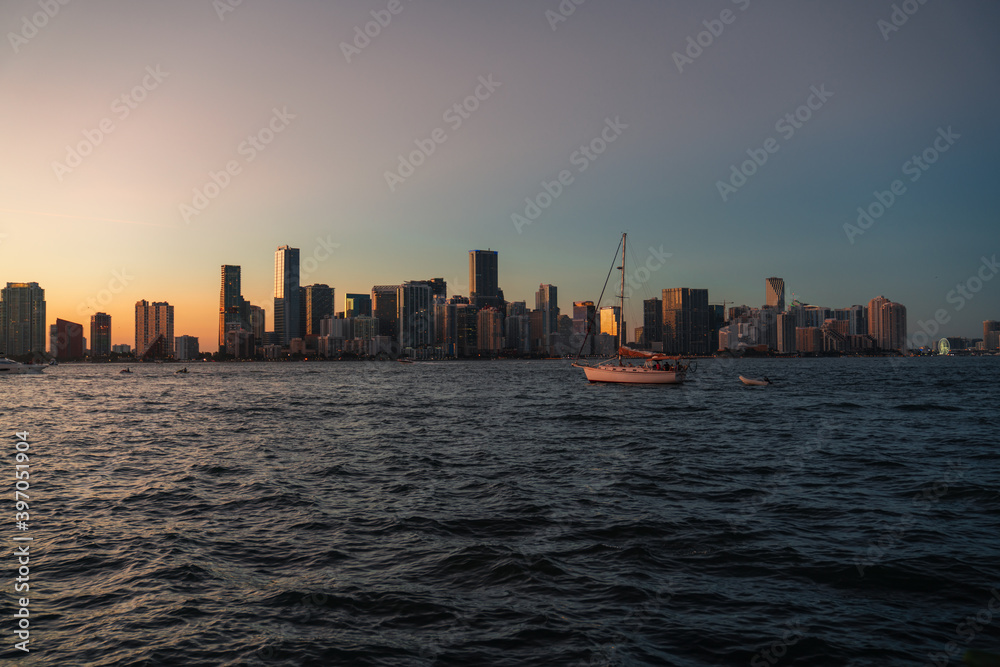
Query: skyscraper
<point>66,340</point>
<point>652,322</point>
<point>483,278</point>
<point>611,321</point>
<point>286,294</point>
<point>875,318</point>
<point>232,307</point>
<point>894,327</point>
<point>685,321</point>
<point>357,304</point>
<point>318,304</point>
<point>100,335</point>
<point>774,293</point>
<point>415,315</point>
<point>991,335</point>
<point>22,319</point>
<point>384,308</point>
<point>153,320</point>
<point>546,301</point>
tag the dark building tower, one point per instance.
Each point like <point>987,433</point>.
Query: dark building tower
<point>384,309</point>
<point>652,322</point>
<point>547,301</point>
<point>358,304</point>
<point>66,340</point>
<point>318,304</point>
<point>100,335</point>
<point>483,281</point>
<point>22,319</point>
<point>685,321</point>
<point>232,307</point>
<point>991,334</point>
<point>286,294</point>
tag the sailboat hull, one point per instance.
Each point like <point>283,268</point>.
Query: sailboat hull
<point>631,375</point>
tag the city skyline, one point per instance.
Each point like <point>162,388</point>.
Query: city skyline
<point>745,140</point>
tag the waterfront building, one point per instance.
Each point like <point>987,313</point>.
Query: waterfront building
<point>287,318</point>
<point>809,340</point>
<point>991,335</point>
<point>100,335</point>
<point>233,309</point>
<point>547,302</point>
<point>652,323</point>
<point>186,348</point>
<point>257,324</point>
<point>489,329</point>
<point>319,300</point>
<point>414,313</point>
<point>154,321</point>
<point>385,309</point>
<point>66,340</point>
<point>786,333</point>
<point>123,349</point>
<point>685,321</point>
<point>22,319</point>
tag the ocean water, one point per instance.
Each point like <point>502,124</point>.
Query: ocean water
<point>508,513</point>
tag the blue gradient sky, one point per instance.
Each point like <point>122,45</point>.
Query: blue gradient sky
<point>322,179</point>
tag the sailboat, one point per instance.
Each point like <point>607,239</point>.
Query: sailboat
<point>655,368</point>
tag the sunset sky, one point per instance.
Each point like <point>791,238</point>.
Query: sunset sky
<point>114,115</point>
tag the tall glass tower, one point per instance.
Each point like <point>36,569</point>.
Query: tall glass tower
<point>286,294</point>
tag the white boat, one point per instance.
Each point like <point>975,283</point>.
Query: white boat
<point>10,367</point>
<point>654,368</point>
<point>756,383</point>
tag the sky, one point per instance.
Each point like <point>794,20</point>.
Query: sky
<point>145,144</point>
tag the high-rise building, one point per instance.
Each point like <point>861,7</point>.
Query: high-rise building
<point>286,294</point>
<point>153,320</point>
<point>319,301</point>
<point>257,324</point>
<point>385,309</point>
<point>546,301</point>
<point>584,318</point>
<point>186,348</point>
<point>652,322</point>
<point>357,304</point>
<point>100,335</point>
<point>66,340</point>
<point>991,335</point>
<point>809,340</point>
<point>875,318</point>
<point>22,319</point>
<point>489,331</point>
<point>774,293</point>
<point>483,278</point>
<point>786,333</point>
<point>611,320</point>
<point>685,321</point>
<point>232,306</point>
<point>893,327</point>
<point>414,313</point>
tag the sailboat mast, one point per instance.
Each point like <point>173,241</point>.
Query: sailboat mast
<point>621,313</point>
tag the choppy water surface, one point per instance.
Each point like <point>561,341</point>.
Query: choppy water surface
<point>509,513</point>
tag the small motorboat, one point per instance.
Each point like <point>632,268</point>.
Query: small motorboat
<point>763,382</point>
<point>183,370</point>
<point>124,371</point>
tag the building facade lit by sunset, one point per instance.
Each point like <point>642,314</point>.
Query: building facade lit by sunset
<point>151,321</point>
<point>774,293</point>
